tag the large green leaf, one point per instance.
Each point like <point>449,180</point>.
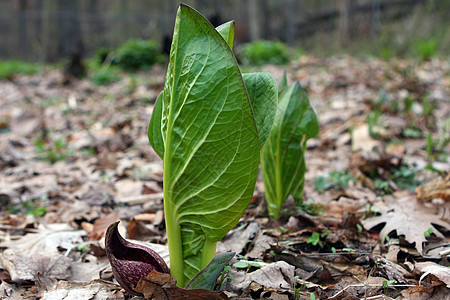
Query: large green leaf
<point>262,91</point>
<point>282,157</point>
<point>210,143</point>
<point>156,128</point>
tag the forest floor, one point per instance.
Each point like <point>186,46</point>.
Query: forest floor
<point>75,158</point>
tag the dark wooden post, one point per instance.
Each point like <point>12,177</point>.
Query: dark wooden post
<point>70,40</point>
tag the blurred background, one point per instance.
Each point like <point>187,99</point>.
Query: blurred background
<point>47,31</point>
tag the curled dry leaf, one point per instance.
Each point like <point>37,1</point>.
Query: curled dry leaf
<point>437,188</point>
<point>441,272</point>
<point>162,286</point>
<point>130,262</point>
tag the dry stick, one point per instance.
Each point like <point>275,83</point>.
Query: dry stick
<point>371,285</point>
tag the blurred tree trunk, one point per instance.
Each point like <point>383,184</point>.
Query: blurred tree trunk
<point>96,27</point>
<point>124,20</point>
<point>254,16</point>
<point>265,17</point>
<point>36,39</point>
<point>22,28</point>
<point>70,40</point>
<point>48,30</point>
<point>291,19</point>
<point>375,21</point>
<point>346,10</point>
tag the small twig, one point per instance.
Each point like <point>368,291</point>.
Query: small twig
<point>371,285</point>
<point>336,253</point>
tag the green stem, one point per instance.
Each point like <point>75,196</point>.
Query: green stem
<point>174,241</point>
<point>275,209</point>
<point>208,253</point>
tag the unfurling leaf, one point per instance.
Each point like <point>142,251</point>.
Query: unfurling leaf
<point>130,262</point>
<point>282,157</point>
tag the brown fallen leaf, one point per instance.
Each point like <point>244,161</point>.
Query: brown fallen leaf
<point>101,224</point>
<point>405,216</point>
<point>28,122</point>
<point>418,292</point>
<point>437,188</point>
<point>278,275</point>
<point>29,267</point>
<point>162,286</point>
<point>441,272</point>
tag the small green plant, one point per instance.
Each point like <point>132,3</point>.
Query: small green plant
<point>342,178</point>
<point>282,158</point>
<point>429,147</point>
<point>386,53</point>
<point>264,52</point>
<point>426,49</point>
<point>369,212</point>
<point>360,229</point>
<point>224,276</point>
<point>138,54</point>
<point>335,180</point>
<point>427,106</point>
<point>412,133</point>
<point>316,238</point>
<point>348,249</point>
<point>105,76</point>
<point>313,209</point>
<point>246,264</point>
<point>34,208</point>
<point>408,104</point>
<point>373,118</point>
<point>435,147</point>
<point>387,284</point>
<point>428,232</point>
<point>16,67</point>
<point>404,178</point>
<point>296,289</point>
<point>52,151</point>
<point>382,185</point>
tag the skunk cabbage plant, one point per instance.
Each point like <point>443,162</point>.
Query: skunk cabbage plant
<point>130,262</point>
<point>206,131</point>
<point>282,157</point>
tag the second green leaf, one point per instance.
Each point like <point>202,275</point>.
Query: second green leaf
<point>282,157</point>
